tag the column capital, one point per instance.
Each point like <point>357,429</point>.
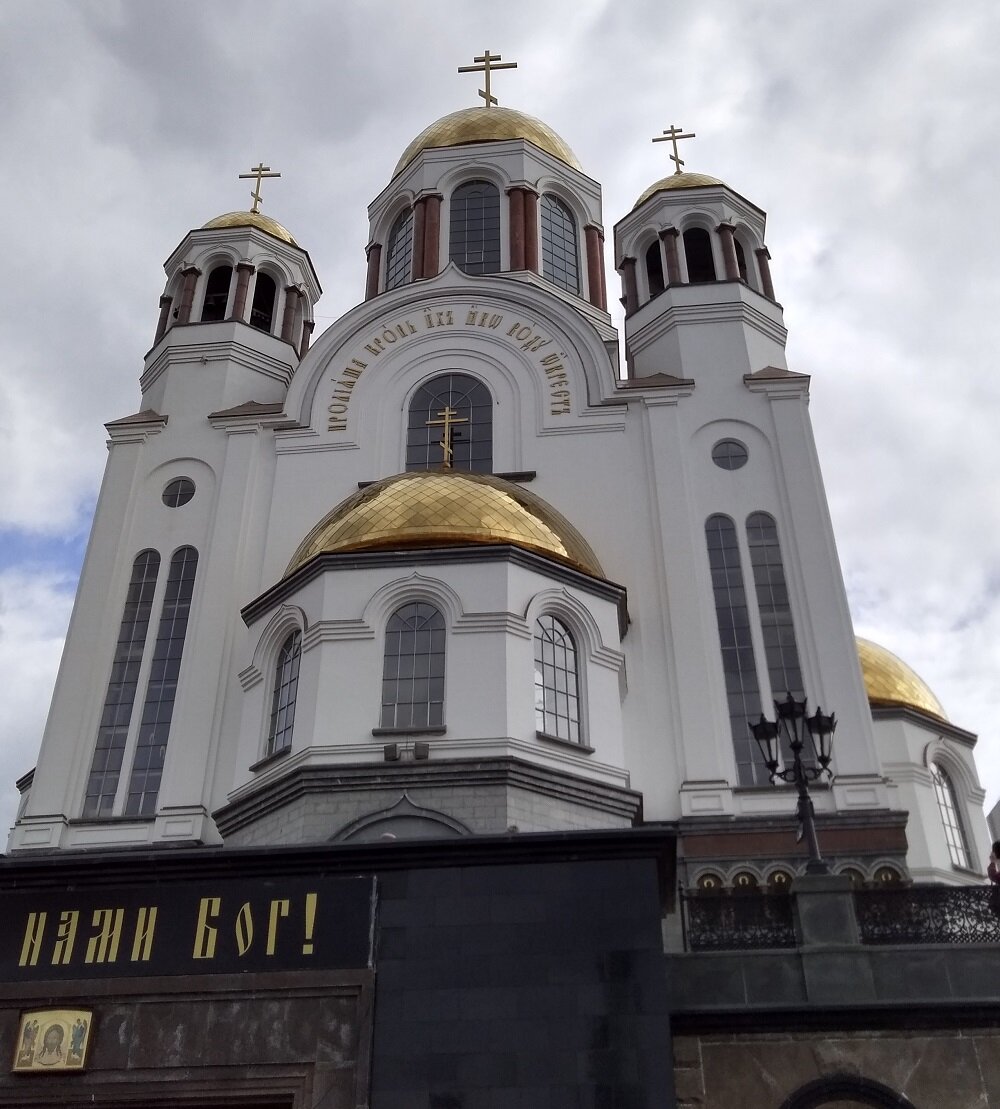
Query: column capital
<point>668,232</point>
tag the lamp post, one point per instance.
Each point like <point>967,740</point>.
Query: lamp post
<point>791,726</point>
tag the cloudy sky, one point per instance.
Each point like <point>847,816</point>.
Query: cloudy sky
<point>867,129</point>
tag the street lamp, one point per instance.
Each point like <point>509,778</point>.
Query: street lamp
<point>791,726</point>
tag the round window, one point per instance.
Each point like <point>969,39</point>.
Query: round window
<point>729,454</point>
<point>178,492</point>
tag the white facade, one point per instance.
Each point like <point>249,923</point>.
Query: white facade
<point>273,438</point>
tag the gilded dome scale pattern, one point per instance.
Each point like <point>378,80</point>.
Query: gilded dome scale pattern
<point>677,181</point>
<point>252,219</point>
<point>889,681</point>
<point>441,508</point>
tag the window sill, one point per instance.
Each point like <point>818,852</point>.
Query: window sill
<point>580,748</point>
<point>438,730</point>
<point>117,819</point>
<point>268,759</point>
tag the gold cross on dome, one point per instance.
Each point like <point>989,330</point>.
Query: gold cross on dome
<point>671,137</point>
<point>449,418</point>
<point>489,63</point>
<point>259,171</point>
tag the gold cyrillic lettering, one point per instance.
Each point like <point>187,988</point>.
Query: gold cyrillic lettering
<point>279,908</point>
<point>336,424</point>
<point>103,947</point>
<point>244,929</point>
<point>62,952</point>
<point>142,943</point>
<point>206,934</point>
<point>32,945</point>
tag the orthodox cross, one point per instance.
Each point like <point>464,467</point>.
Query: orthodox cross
<point>671,137</point>
<point>259,171</point>
<point>489,63</point>
<point>449,418</point>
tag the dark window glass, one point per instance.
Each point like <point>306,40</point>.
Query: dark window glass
<point>654,269</point>
<point>954,832</point>
<point>157,712</point>
<point>698,251</point>
<point>400,254</point>
<point>738,665</point>
<point>471,441</point>
<point>413,671</point>
<point>741,260</point>
<point>178,492</point>
<point>217,294</point>
<point>474,236</point>
<point>286,684</point>
<point>120,697</point>
<point>560,260</point>
<point>557,687</point>
<point>729,454</point>
<point>262,311</point>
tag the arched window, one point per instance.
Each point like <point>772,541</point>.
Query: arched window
<point>474,240</point>
<point>286,685</point>
<point>560,259</point>
<point>654,269</point>
<point>698,252</point>
<point>112,733</point>
<point>741,260</point>
<point>413,672</point>
<point>732,614</point>
<point>400,253</point>
<point>217,294</point>
<point>557,685</point>
<point>470,423</point>
<point>262,310</point>
<point>161,691</point>
<point>954,831</point>
<point>840,1090</point>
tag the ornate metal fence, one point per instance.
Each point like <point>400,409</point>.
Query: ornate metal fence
<point>928,914</point>
<point>729,921</point>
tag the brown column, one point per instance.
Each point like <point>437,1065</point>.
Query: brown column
<point>293,296</point>
<point>373,251</point>
<point>631,289</point>
<point>763,256</point>
<point>516,224</point>
<point>669,236</point>
<point>592,236</point>
<point>164,318</point>
<point>243,271</point>
<point>307,330</point>
<point>725,231</point>
<point>432,235</point>
<point>531,231</point>
<point>191,275</point>
<point>417,262</point>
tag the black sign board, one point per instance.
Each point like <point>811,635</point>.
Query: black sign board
<point>220,926</point>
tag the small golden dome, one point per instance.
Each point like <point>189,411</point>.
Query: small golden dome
<point>252,219</point>
<point>889,682</point>
<point>677,181</point>
<point>444,508</point>
<point>487,125</point>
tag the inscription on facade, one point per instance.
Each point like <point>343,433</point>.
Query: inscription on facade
<point>516,330</point>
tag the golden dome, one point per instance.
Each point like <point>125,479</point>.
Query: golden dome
<point>443,508</point>
<point>487,125</point>
<point>889,682</point>
<point>677,181</point>
<point>252,219</point>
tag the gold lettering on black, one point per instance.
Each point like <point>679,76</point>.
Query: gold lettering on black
<point>142,942</point>
<point>279,908</point>
<point>205,934</point>
<point>31,948</point>
<point>62,951</point>
<point>103,946</point>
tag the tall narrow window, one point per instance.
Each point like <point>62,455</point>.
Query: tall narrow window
<point>741,260</point>
<point>738,665</point>
<point>413,672</point>
<point>157,712</point>
<point>120,697</point>
<point>286,686</point>
<point>698,252</point>
<point>474,238</point>
<point>954,831</point>
<point>400,254</point>
<point>560,258</point>
<point>217,294</point>
<point>262,310</point>
<point>654,269</point>
<point>557,686</point>
<point>470,433</point>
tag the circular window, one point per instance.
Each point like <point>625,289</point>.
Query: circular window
<point>729,454</point>
<point>745,881</point>
<point>178,492</point>
<point>709,882</point>
<point>780,880</point>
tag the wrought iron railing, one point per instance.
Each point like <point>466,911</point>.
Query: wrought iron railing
<point>928,914</point>
<point>736,921</point>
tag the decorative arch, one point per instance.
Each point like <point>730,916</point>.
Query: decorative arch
<point>840,1087</point>
<point>402,820</point>
<point>572,612</point>
<point>287,619</point>
<point>939,751</point>
<point>415,587</point>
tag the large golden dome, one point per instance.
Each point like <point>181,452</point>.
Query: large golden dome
<point>252,219</point>
<point>444,508</point>
<point>889,682</point>
<point>487,125</point>
<point>677,181</point>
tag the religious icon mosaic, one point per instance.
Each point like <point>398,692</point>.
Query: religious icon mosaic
<point>53,1040</point>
